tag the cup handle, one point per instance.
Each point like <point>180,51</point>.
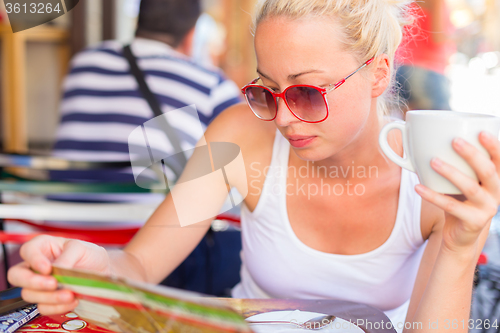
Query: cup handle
<point>382,140</point>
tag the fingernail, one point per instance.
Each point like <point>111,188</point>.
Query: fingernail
<point>459,142</point>
<point>65,297</point>
<point>421,189</point>
<point>437,162</point>
<point>487,135</point>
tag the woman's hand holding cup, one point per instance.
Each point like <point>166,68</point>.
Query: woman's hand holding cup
<point>458,154</point>
<point>468,218</point>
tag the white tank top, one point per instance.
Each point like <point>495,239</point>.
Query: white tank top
<point>276,264</point>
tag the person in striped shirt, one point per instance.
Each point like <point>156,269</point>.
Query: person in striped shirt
<point>102,103</point>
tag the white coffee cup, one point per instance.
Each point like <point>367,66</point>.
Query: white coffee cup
<point>428,134</point>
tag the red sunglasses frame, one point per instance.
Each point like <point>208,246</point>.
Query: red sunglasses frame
<point>323,91</point>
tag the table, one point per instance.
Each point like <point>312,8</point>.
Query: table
<point>374,319</point>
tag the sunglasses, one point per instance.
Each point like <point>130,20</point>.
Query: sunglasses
<point>306,103</point>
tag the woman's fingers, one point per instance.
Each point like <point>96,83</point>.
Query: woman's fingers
<point>41,251</point>
<point>36,260</point>
<point>468,186</point>
<point>59,297</point>
<point>41,290</point>
<point>22,276</point>
<point>492,146</point>
<point>447,203</point>
<point>72,254</point>
<point>483,165</point>
<point>48,309</point>
<point>33,275</point>
<point>470,217</point>
<point>475,218</point>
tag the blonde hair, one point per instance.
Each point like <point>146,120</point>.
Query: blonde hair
<point>370,27</point>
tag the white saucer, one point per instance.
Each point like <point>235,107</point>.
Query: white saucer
<point>338,325</point>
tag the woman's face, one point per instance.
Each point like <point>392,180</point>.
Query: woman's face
<point>309,51</point>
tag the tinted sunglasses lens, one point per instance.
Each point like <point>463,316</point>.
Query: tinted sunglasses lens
<point>307,103</point>
<point>261,102</point>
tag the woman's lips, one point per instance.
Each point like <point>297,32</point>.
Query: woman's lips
<point>300,141</point>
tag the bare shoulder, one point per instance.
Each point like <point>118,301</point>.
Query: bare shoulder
<point>239,125</point>
<point>255,138</point>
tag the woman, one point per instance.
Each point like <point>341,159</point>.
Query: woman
<point>364,240</point>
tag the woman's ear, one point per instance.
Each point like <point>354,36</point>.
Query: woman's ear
<point>381,75</point>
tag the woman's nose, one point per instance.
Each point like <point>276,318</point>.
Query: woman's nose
<point>284,116</point>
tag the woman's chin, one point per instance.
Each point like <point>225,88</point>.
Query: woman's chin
<point>310,155</point>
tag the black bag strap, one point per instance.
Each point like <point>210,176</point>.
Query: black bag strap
<point>154,105</point>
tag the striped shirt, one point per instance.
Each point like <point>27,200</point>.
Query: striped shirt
<point>102,103</point>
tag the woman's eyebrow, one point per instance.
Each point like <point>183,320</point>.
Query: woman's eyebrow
<point>263,75</point>
<point>291,77</point>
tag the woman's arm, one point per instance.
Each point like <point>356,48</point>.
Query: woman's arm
<point>434,237</point>
<point>446,298</point>
<point>427,264</point>
<point>157,249</point>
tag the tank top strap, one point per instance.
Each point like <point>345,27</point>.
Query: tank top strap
<point>413,205</point>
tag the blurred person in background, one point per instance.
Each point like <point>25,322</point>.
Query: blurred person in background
<point>423,57</point>
<point>209,41</point>
<point>102,104</point>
